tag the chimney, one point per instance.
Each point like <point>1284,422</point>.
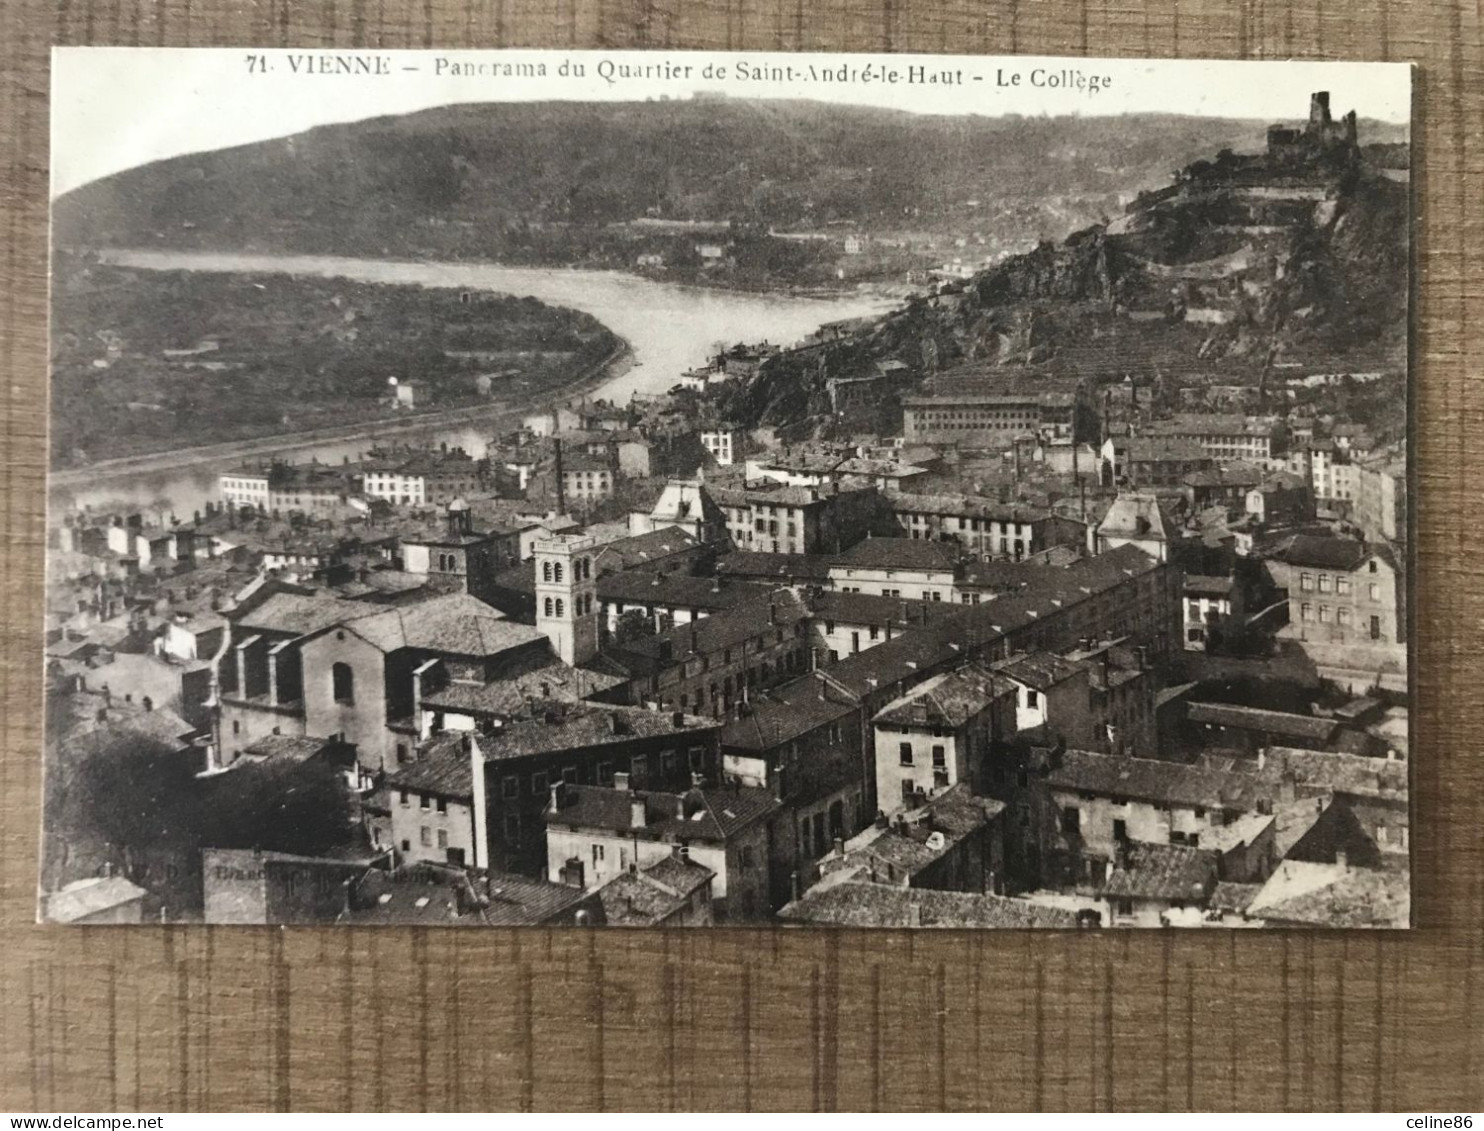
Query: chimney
<point>677,720</point>
<point>621,780</point>
<point>780,784</point>
<point>1286,786</point>
<point>696,780</point>
<point>558,795</point>
<point>793,886</point>
<point>839,846</point>
<point>636,812</point>
<point>914,914</point>
<point>1342,859</point>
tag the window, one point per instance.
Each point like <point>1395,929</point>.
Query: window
<point>940,757</point>
<point>424,801</point>
<point>1375,591</point>
<point>538,782</point>
<point>904,751</point>
<point>1306,611</point>
<point>510,787</point>
<point>1306,582</point>
<point>401,753</point>
<point>512,828</point>
<point>909,788</point>
<point>605,773</point>
<point>1032,698</point>
<point>1375,628</point>
<point>546,607</point>
<point>1324,581</point>
<point>425,836</point>
<point>561,608</point>
<point>1344,616</point>
<point>597,855</point>
<point>441,805</point>
<point>402,797</point>
<point>1071,821</point>
<point>442,838</point>
<point>1323,614</point>
<point>1342,586</point>
<point>343,683</point>
<point>1124,908</point>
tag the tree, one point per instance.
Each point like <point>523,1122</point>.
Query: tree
<point>298,807</point>
<point>633,624</point>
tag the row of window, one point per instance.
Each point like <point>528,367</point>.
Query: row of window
<point>557,607</point>
<point>582,570</point>
<point>906,754</point>
<point>1324,583</point>
<point>424,801</point>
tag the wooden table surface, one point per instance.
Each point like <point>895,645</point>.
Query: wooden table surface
<point>225,1019</point>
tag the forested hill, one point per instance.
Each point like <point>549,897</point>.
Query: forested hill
<point>497,180</point>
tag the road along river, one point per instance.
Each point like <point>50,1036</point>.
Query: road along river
<point>669,328</point>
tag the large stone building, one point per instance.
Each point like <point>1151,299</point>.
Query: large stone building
<point>989,419</point>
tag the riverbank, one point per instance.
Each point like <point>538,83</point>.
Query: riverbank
<point>618,361</point>
<point>668,329</point>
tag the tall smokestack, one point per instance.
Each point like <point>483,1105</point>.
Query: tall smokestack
<point>561,488</point>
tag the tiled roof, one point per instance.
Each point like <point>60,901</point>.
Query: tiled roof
<point>763,612</point>
<point>509,695</point>
<point>1356,774</point>
<point>643,549</point>
<point>1201,586</point>
<point>296,747</point>
<point>747,565</point>
<point>899,553</point>
<point>678,590</point>
<point>707,814</point>
<point>1040,670</point>
<point>1228,896</point>
<point>1333,895</point>
<point>442,768</point>
<point>785,713</point>
<point>1279,723</point>
<point>430,894</point>
<point>918,839</point>
<point>1162,871</point>
<point>949,700</point>
<point>886,665</point>
<point>854,904</point>
<point>301,614</point>
<point>455,624</point>
<point>1341,554</point>
<point>1167,783</point>
<point>648,896</point>
<point>965,506</point>
<point>573,726</point>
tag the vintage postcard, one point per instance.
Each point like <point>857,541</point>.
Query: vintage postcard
<point>661,489</point>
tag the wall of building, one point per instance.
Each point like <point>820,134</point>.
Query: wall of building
<point>361,722</point>
<point>420,831</point>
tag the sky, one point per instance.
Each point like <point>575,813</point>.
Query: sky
<point>117,107</point>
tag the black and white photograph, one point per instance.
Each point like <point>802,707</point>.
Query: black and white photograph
<point>690,489</point>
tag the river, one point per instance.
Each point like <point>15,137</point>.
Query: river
<point>669,328</point>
